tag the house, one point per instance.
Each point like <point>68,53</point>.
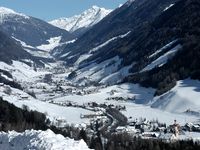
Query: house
<point>150,135</point>
<point>167,137</point>
<point>196,127</point>
<point>51,95</point>
<point>23,97</point>
<point>120,129</point>
<point>131,130</point>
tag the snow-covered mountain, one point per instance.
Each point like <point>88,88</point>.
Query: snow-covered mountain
<point>10,50</point>
<point>86,19</point>
<point>32,31</point>
<point>106,52</point>
<point>6,11</point>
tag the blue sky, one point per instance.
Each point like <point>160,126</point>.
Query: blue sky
<point>52,9</point>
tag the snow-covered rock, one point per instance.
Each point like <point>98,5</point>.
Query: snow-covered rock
<point>38,140</point>
<point>87,19</point>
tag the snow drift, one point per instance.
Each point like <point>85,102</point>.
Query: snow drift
<point>38,140</point>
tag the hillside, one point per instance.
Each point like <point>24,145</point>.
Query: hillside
<point>128,17</point>
<point>112,47</point>
<point>32,31</point>
<point>151,46</point>
<point>172,25</point>
<point>9,50</point>
<point>13,118</point>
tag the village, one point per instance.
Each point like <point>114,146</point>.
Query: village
<point>107,116</point>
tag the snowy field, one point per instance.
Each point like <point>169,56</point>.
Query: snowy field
<point>139,101</point>
<point>184,96</point>
<point>142,95</point>
<point>69,115</point>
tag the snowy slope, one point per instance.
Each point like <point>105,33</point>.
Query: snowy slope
<point>21,71</point>
<point>184,96</point>
<point>38,140</point>
<point>30,30</point>
<point>36,36</point>
<point>108,71</point>
<point>168,7</point>
<point>87,19</point>
<point>68,115</point>
<point>97,72</point>
<point>162,59</point>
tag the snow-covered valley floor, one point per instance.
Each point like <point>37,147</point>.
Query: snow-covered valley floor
<point>67,104</point>
<point>136,99</point>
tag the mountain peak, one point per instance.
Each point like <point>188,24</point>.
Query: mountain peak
<point>8,11</point>
<point>4,10</point>
<point>86,19</point>
<point>95,7</point>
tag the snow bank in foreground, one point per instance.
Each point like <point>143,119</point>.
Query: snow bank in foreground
<point>38,140</point>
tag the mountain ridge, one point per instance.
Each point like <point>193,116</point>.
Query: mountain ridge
<point>28,29</point>
<point>83,21</point>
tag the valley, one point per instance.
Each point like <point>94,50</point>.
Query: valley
<point>112,79</point>
<point>65,103</point>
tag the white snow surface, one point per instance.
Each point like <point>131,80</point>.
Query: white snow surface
<point>162,59</point>
<point>168,7</point>
<point>23,44</point>
<point>108,71</point>
<point>70,115</point>
<point>6,77</point>
<point>142,95</point>
<point>52,43</point>
<point>86,19</point>
<point>138,104</point>
<point>95,49</point>
<point>38,140</point>
<point>163,48</point>
<point>4,12</point>
<point>109,41</point>
<point>96,72</point>
<point>117,76</point>
<point>21,71</point>
<point>184,96</point>
<point>44,49</point>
